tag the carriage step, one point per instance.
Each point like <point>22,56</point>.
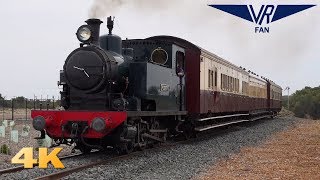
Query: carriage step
<point>220,117</point>
<point>260,117</point>
<point>204,128</point>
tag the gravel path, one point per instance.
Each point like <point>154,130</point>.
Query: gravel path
<point>188,160</point>
<point>290,154</point>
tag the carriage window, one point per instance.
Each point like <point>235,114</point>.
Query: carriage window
<point>238,85</point>
<point>180,62</point>
<point>215,78</point>
<point>222,83</point>
<point>159,56</point>
<point>209,78</point>
<point>229,83</point>
<point>225,82</point>
<point>232,85</point>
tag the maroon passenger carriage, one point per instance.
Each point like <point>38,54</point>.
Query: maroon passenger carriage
<point>149,90</point>
<point>221,92</point>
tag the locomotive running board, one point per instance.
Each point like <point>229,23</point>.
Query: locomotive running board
<point>199,129</point>
<point>220,117</point>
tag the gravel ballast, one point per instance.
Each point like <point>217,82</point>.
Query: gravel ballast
<point>186,161</point>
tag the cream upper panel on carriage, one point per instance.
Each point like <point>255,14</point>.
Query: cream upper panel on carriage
<point>225,76</point>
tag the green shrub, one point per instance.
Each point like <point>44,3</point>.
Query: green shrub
<point>306,102</point>
<point>4,149</point>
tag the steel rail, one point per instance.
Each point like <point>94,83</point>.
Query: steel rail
<point>66,172</point>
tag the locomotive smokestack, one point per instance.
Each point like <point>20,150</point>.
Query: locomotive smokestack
<point>95,28</point>
<point>110,24</point>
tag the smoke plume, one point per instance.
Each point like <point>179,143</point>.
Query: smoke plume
<point>290,41</point>
<point>103,8</point>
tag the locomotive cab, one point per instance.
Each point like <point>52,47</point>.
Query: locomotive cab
<point>154,74</point>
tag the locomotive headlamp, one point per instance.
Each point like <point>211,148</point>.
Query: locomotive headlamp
<point>39,123</point>
<point>84,33</point>
<point>98,124</point>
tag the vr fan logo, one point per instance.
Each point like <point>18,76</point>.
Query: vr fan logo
<point>266,13</point>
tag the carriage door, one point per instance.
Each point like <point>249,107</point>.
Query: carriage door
<point>268,95</point>
<point>180,73</point>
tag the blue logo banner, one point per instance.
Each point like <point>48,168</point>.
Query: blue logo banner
<point>266,13</point>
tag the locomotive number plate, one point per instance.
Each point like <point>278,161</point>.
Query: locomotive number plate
<point>164,87</point>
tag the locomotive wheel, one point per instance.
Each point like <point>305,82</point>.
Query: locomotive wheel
<point>141,141</point>
<point>141,146</point>
<point>188,130</point>
<point>155,124</point>
<point>125,148</point>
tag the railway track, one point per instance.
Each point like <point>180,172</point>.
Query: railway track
<point>20,168</point>
<point>65,172</point>
<point>68,171</point>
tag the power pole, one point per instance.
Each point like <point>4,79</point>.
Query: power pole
<point>288,88</point>
<point>3,102</point>
<point>26,109</point>
<point>12,107</point>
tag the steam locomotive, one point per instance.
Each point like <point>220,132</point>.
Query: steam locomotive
<point>132,94</point>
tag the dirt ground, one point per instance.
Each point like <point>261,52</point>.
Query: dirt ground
<point>17,114</point>
<point>292,154</point>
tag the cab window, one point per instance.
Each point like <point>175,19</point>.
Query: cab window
<point>180,66</point>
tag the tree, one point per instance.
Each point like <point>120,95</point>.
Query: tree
<point>2,101</point>
<point>306,102</point>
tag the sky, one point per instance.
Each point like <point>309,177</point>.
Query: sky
<point>38,35</point>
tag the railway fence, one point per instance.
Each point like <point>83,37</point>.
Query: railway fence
<point>15,121</point>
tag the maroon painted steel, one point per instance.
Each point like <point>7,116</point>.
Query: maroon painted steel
<point>56,119</point>
<point>193,81</point>
<point>218,102</point>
